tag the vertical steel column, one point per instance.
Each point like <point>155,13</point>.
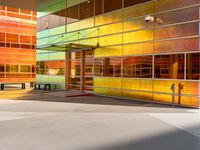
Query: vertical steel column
<point>67,70</point>
<point>82,71</point>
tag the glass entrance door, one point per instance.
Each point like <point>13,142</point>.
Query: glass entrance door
<point>81,70</point>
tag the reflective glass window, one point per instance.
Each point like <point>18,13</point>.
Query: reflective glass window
<point>193,66</point>
<point>12,68</point>
<point>137,67</point>
<point>2,37</point>
<point>112,67</point>
<point>111,5</point>
<point>12,38</point>
<point>72,14</point>
<point>169,66</point>
<point>128,3</point>
<point>44,23</point>
<point>2,68</point>
<point>87,9</point>
<point>25,68</point>
<point>98,67</point>
<point>98,7</point>
<point>25,39</point>
<point>54,19</point>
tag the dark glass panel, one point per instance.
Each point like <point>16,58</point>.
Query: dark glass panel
<point>2,44</point>
<point>98,67</point>
<point>63,17</point>
<point>193,66</point>
<point>88,63</point>
<point>13,68</point>
<point>2,68</point>
<point>137,67</point>
<point>72,14</point>
<point>169,66</point>
<point>25,68</point>
<point>111,5</point>
<point>33,69</point>
<point>112,67</point>
<point>128,3</point>
<point>87,9</point>
<point>15,45</point>
<point>26,46</point>
<point>98,7</point>
<point>40,67</point>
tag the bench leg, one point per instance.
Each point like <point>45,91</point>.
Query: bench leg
<point>39,87</point>
<point>31,84</point>
<point>49,87</point>
<point>2,86</point>
<point>45,87</point>
<point>35,86</point>
<point>23,86</point>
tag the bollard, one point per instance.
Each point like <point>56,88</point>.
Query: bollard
<point>180,88</point>
<point>173,94</point>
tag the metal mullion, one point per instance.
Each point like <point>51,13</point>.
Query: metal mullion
<point>185,66</point>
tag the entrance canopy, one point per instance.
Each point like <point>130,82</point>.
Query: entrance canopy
<point>66,47</point>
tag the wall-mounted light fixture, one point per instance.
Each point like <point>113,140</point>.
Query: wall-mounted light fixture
<point>149,18</point>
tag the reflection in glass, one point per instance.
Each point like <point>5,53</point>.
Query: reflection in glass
<point>112,67</point>
<point>137,67</point>
<point>128,3</point>
<point>87,9</point>
<point>98,67</point>
<point>111,5</point>
<point>169,66</point>
<point>51,67</point>
<point>72,14</point>
<point>193,66</point>
<point>98,7</point>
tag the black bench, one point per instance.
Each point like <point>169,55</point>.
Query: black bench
<point>9,83</point>
<point>37,86</point>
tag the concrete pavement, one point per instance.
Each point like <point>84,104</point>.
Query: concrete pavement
<point>48,121</point>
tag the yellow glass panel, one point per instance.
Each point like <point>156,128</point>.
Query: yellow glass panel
<point>136,49</point>
<point>110,40</point>
<point>87,23</point>
<point>108,51</point>
<point>139,36</point>
<point>136,24</point>
<point>108,18</point>
<point>137,84</point>
<point>188,87</point>
<point>107,82</point>
<point>190,101</point>
<point>91,42</point>
<point>107,91</point>
<point>137,95</point>
<point>57,30</point>
<point>164,98</point>
<point>110,29</point>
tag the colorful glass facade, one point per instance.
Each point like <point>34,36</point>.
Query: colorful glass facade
<point>17,45</point>
<point>131,58</point>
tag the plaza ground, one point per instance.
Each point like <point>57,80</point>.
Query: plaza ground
<point>38,120</point>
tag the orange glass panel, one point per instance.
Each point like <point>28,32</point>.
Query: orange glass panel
<point>12,38</point>
<point>25,39</point>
